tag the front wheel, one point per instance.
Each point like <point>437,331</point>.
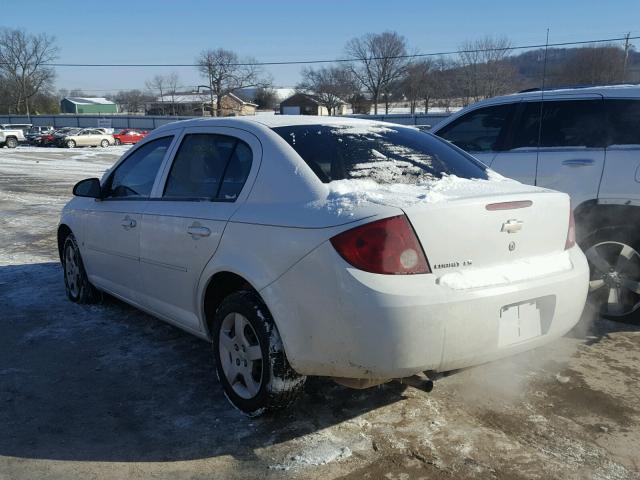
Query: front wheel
<point>71,144</point>
<point>250,360</point>
<point>614,262</point>
<point>77,285</point>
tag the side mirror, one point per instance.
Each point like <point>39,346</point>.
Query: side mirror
<point>88,188</point>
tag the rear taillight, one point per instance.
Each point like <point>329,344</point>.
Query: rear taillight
<point>571,233</point>
<point>388,246</point>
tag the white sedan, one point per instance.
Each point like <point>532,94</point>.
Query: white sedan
<point>361,251</point>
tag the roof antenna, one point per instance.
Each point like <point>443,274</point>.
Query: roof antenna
<point>544,77</point>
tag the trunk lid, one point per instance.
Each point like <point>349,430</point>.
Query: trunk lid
<point>486,230</point>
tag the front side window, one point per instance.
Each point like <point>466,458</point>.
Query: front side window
<point>381,153</point>
<point>209,167</point>
<point>135,176</point>
<point>624,122</point>
<point>480,130</point>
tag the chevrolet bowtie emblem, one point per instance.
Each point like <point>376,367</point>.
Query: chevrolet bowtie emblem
<point>512,226</point>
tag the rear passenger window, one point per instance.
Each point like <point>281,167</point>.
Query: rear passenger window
<point>573,124</point>
<point>209,167</point>
<point>480,130</point>
<point>624,122</point>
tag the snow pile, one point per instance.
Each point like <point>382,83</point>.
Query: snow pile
<point>514,271</point>
<point>345,195</point>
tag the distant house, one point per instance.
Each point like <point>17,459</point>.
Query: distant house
<point>88,105</point>
<point>199,104</point>
<point>307,104</point>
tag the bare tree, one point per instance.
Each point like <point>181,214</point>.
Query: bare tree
<point>173,82</point>
<point>485,68</point>
<point>331,86</point>
<point>132,101</point>
<point>224,74</point>
<point>378,61</point>
<point>23,59</point>
<point>266,98</point>
<point>158,84</point>
<point>593,65</point>
<point>416,84</point>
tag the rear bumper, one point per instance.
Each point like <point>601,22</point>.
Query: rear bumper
<point>338,321</point>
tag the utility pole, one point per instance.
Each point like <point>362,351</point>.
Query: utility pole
<point>626,56</point>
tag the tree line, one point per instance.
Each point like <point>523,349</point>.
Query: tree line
<point>378,70</point>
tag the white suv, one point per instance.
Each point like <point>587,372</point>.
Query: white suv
<point>588,145</point>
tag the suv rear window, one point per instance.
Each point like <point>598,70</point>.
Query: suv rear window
<point>385,154</point>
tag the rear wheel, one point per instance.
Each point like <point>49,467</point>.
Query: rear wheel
<point>104,143</point>
<point>117,141</point>
<point>12,142</point>
<point>614,261</point>
<point>250,360</point>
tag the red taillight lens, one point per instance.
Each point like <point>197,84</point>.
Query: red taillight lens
<point>571,233</point>
<point>388,246</point>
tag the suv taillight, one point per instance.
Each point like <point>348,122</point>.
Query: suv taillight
<point>571,233</point>
<point>388,246</point>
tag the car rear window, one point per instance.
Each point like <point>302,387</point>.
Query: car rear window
<point>385,154</point>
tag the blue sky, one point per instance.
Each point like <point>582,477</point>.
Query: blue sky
<point>161,31</point>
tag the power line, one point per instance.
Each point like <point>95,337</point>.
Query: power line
<point>343,60</point>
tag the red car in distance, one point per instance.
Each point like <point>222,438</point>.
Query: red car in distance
<point>129,136</point>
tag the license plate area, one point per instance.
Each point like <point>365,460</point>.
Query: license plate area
<point>524,321</point>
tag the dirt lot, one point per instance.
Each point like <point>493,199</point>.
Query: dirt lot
<point>108,392</point>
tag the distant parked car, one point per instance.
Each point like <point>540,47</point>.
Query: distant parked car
<point>588,146</point>
<point>61,133</point>
<point>356,250</point>
<point>11,137</point>
<point>34,134</point>
<point>16,126</point>
<point>87,137</point>
<point>129,136</point>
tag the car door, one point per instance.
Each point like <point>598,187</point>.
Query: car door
<point>479,132</point>
<point>621,177</point>
<point>209,177</point>
<point>113,224</point>
<point>572,147</point>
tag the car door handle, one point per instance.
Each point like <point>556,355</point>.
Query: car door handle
<point>198,231</point>
<point>128,223</point>
<point>578,162</point>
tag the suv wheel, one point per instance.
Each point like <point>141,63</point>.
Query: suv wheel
<point>250,360</point>
<point>11,142</point>
<point>614,261</point>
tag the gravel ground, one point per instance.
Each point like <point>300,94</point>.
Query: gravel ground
<point>106,391</point>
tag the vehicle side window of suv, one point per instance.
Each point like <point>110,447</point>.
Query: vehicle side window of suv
<point>527,128</point>
<point>623,121</point>
<point>209,167</point>
<point>575,123</point>
<point>480,130</point>
<point>134,177</point>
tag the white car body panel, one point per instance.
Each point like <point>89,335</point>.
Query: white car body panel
<point>333,319</point>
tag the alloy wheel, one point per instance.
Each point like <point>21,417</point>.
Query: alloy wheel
<point>614,287</point>
<point>72,271</point>
<point>241,355</point>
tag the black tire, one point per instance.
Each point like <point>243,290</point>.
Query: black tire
<point>11,142</point>
<point>104,143</point>
<point>279,384</point>
<point>614,262</point>
<point>117,141</point>
<point>76,283</point>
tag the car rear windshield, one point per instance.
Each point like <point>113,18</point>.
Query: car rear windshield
<point>385,154</point>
